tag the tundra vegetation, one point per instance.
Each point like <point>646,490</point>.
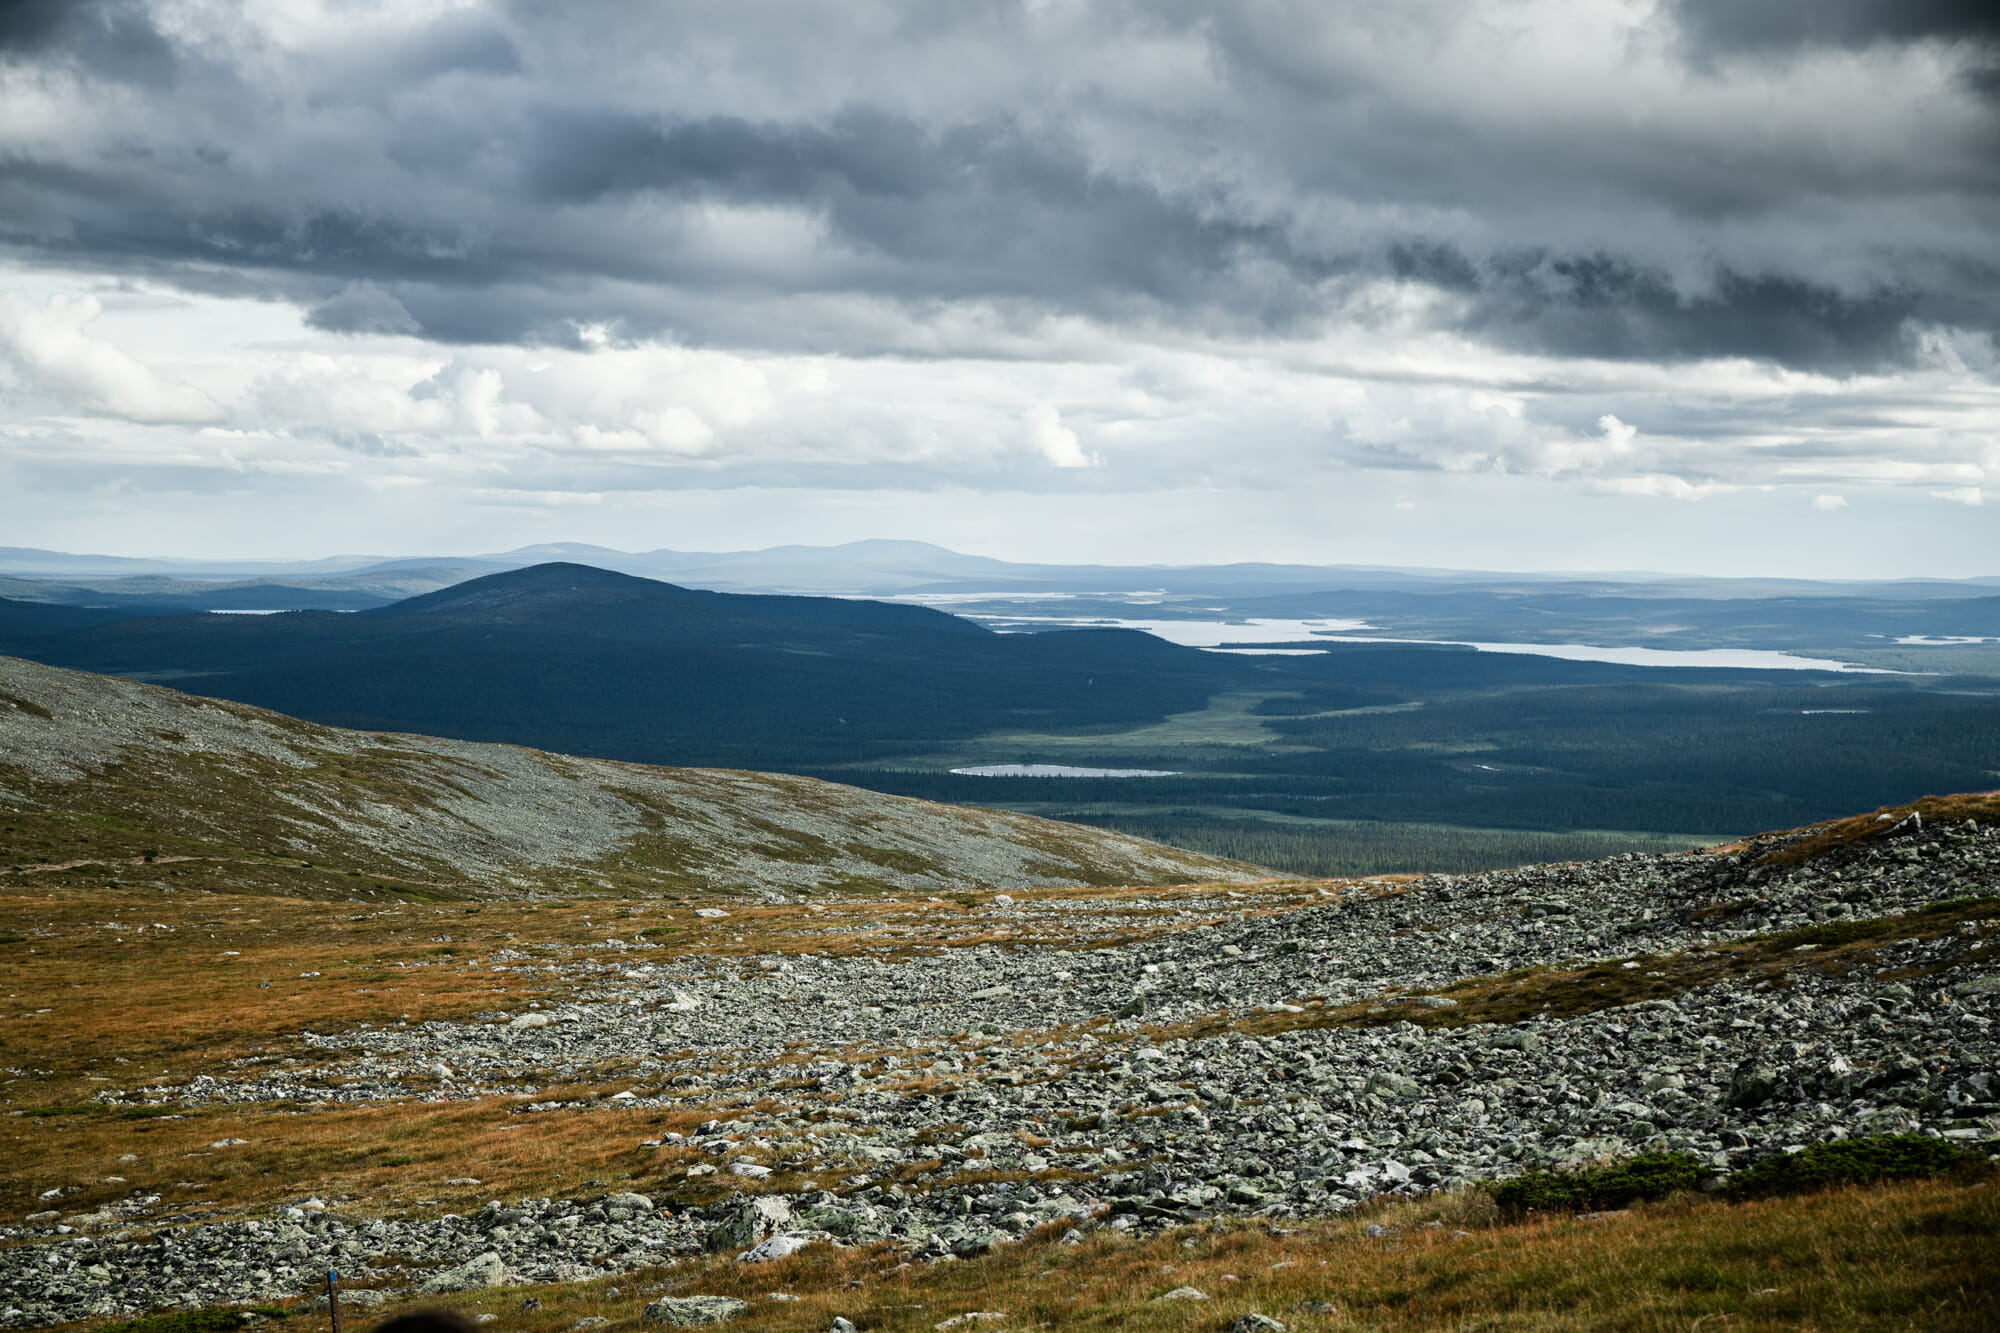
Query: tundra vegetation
<point>478,1027</point>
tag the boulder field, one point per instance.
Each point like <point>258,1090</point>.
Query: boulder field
<point>1363,1038</point>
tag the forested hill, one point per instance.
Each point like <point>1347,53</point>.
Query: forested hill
<point>598,603</point>
<point>582,660</point>
<point>1288,760</point>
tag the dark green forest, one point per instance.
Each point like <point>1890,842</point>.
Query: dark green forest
<point>1691,760</point>
<point>1344,847</point>
<point>1362,758</point>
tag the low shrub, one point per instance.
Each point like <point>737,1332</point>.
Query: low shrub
<point>1855,1162</point>
<point>1654,1176</point>
<point>1645,1178</point>
<point>186,1321</point>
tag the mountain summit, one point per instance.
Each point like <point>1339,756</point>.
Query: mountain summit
<point>593,601</point>
<point>554,593</point>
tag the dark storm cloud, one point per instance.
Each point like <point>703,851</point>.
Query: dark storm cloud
<point>1723,25</point>
<point>462,42</point>
<point>762,176</point>
<point>111,38</point>
<point>985,212</point>
<point>1601,305</point>
<point>1605,305</point>
<point>1721,28</point>
<point>981,210</point>
<point>362,307</point>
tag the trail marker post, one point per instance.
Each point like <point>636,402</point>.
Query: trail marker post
<point>333,1297</point>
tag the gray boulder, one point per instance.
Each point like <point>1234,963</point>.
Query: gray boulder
<point>1256,1323</point>
<point>1514,1039</point>
<point>1397,1087</point>
<point>1753,1086</point>
<point>691,1311</point>
<point>749,1222</point>
<point>476,1273</point>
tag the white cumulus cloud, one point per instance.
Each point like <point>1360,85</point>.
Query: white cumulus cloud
<point>1055,441</point>
<point>89,375</point>
<point>1616,433</point>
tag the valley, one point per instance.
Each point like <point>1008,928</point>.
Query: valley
<point>1338,759</point>
<point>583,1084</point>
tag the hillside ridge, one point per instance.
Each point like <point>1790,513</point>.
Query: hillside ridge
<point>154,772</point>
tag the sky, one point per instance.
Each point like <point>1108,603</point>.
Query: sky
<point>1699,286</point>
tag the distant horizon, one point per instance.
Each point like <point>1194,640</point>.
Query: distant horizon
<point>578,550</point>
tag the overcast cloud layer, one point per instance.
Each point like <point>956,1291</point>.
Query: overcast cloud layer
<point>1704,284</point>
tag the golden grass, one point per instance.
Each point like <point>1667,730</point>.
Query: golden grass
<point>134,987</point>
<point>1835,834</point>
<point>1914,1257</point>
<point>161,978</point>
<point>366,1160</point>
<point>129,1007</point>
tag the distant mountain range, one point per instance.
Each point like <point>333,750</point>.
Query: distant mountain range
<point>866,568</point>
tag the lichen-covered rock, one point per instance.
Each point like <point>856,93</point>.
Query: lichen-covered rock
<point>1753,1086</point>
<point>475,1274</point>
<point>691,1311</point>
<point>753,1220</point>
<point>1387,1083</point>
<point>781,1246</point>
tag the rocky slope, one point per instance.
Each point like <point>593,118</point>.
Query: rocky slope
<point>105,773</point>
<point>1362,1038</point>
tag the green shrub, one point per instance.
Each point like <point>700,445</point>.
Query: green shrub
<point>182,1321</point>
<point>1646,1177</point>
<point>1854,1162</point>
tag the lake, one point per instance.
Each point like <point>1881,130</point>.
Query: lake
<point>1244,636</point>
<point>1059,771</point>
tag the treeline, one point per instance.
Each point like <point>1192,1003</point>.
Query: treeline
<point>1417,794</point>
<point>1358,848</point>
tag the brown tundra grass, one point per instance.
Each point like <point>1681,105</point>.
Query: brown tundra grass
<point>104,988</point>
<point>1916,1257</point>
<point>127,1007</point>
